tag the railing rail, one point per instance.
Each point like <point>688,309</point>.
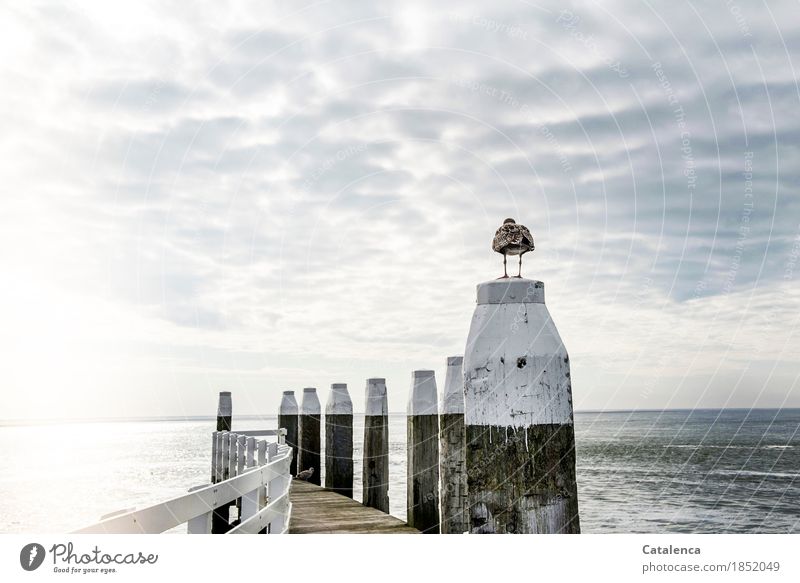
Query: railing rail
<point>253,474</point>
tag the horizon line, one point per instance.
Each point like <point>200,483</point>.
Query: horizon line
<point>163,418</point>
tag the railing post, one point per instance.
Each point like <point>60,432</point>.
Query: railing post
<point>224,411</point>
<point>214,451</point>
<point>452,453</point>
<point>262,492</point>
<point>201,524</point>
<point>310,413</point>
<point>218,463</point>
<point>241,447</point>
<point>221,514</point>
<point>251,452</point>
<point>232,442</point>
<point>274,485</point>
<point>375,467</point>
<point>520,455</point>
<point>250,500</point>
<point>287,418</point>
<point>339,441</point>
<point>226,453</point>
<point>423,453</point>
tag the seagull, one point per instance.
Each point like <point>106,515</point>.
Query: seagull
<point>512,239</point>
<point>305,475</point>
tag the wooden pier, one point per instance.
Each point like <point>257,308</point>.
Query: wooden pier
<point>317,510</point>
<point>483,487</point>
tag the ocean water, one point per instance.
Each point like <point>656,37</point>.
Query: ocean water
<point>706,471</point>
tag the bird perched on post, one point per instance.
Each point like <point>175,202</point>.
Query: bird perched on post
<point>305,475</point>
<point>512,239</point>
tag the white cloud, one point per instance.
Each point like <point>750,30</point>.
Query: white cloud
<point>261,197</point>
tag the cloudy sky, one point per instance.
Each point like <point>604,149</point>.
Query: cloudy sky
<point>257,196</point>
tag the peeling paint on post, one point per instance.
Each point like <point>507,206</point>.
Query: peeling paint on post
<point>287,418</point>
<point>339,441</point>
<point>224,411</point>
<point>453,491</point>
<point>518,414</point>
<point>375,469</point>
<point>309,426</point>
<point>422,499</point>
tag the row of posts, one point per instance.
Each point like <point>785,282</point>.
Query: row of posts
<point>429,435</point>
<point>498,456</point>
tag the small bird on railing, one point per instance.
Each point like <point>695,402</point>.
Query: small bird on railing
<point>305,475</point>
<point>512,239</point>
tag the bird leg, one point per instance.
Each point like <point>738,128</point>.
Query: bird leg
<point>505,270</point>
<point>519,273</point>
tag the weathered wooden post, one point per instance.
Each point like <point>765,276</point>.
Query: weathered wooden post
<point>518,415</point>
<point>423,453</point>
<point>453,493</point>
<point>375,469</point>
<point>287,418</point>
<point>220,517</point>
<point>224,411</point>
<point>339,441</point>
<point>309,442</point>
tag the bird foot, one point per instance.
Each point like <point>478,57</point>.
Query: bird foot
<point>503,277</point>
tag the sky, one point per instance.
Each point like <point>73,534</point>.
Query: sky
<point>262,196</point>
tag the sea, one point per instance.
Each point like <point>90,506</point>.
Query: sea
<point>698,471</point>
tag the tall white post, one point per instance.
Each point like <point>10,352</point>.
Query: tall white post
<point>518,414</point>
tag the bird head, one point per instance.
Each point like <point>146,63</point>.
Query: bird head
<point>509,222</point>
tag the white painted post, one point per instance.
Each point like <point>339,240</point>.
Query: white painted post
<point>214,457</point>
<point>226,452</point>
<point>520,439</point>
<point>222,512</point>
<point>452,445</point>
<point>201,524</point>
<point>218,462</point>
<point>241,446</point>
<point>423,453</point>
<point>375,467</point>
<point>262,452</point>
<point>232,455</point>
<point>251,452</point>
<point>310,420</point>
<point>262,492</point>
<point>339,441</point>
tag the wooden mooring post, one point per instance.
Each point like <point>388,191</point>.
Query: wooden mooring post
<point>224,411</point>
<point>309,440</point>
<point>518,415</point>
<point>287,418</point>
<point>375,467</point>
<point>339,441</point>
<point>422,499</point>
<point>453,491</point>
<point>221,459</point>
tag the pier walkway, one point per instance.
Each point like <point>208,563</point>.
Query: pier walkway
<point>316,510</point>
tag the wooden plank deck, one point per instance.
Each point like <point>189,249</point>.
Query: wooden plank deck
<point>316,510</point>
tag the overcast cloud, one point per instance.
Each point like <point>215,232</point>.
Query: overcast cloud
<point>262,196</point>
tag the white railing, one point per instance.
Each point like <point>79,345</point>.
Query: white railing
<point>253,474</point>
